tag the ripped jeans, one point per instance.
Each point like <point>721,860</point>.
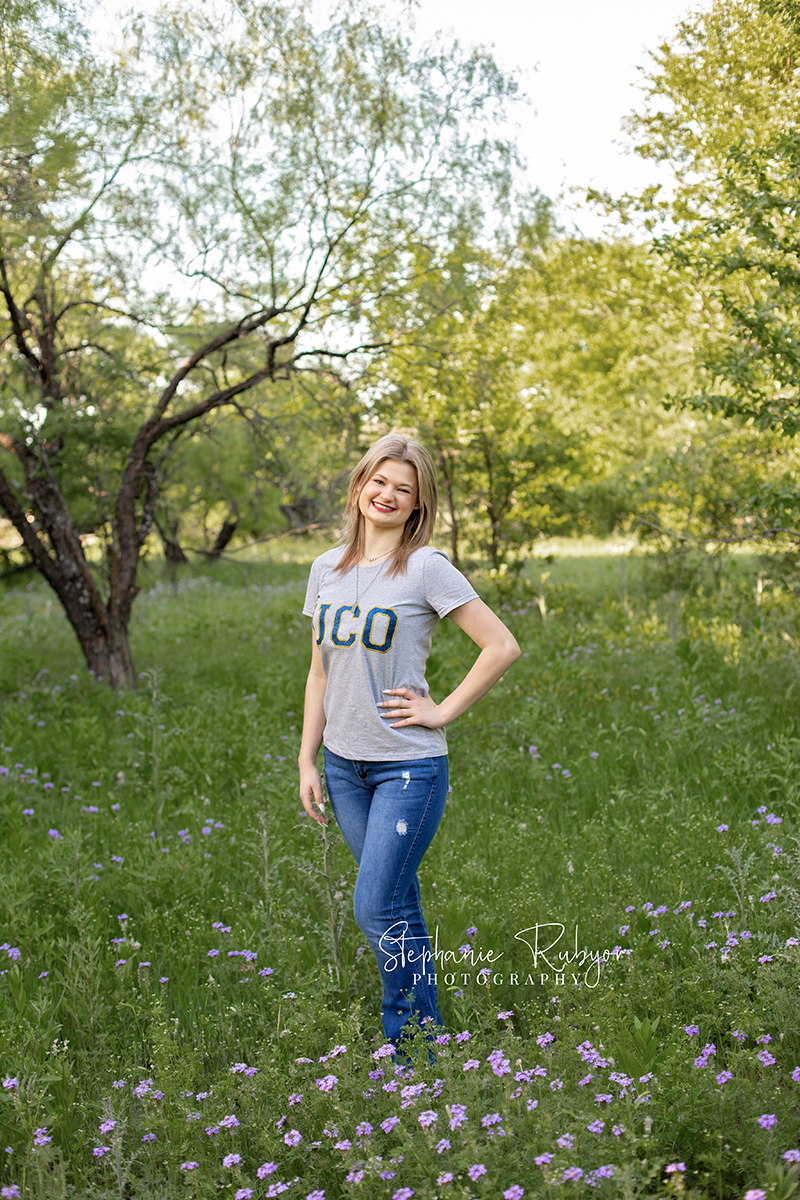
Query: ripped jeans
<point>388,813</point>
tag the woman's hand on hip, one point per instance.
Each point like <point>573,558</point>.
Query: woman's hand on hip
<point>410,709</point>
<point>311,793</point>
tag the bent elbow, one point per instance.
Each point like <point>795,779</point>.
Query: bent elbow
<point>512,649</point>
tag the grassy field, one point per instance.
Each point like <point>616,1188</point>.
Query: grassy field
<point>187,1009</point>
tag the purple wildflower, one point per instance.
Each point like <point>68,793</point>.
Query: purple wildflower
<point>458,1114</point>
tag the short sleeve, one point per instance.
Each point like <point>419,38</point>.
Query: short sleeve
<point>445,587</point>
<point>312,591</point>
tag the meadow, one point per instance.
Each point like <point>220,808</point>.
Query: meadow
<point>187,1008</point>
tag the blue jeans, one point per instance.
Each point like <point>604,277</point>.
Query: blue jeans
<point>388,813</point>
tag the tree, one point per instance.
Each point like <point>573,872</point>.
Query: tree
<point>748,251</point>
<point>729,73</point>
<point>227,204</point>
<point>504,463</point>
<point>721,102</point>
<point>540,383</point>
<point>281,469</point>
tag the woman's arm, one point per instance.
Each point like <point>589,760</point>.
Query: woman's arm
<point>313,725</point>
<point>498,650</point>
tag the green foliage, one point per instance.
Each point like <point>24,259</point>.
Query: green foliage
<point>719,102</point>
<point>726,75</point>
<point>647,1056</point>
<point>544,400</point>
<point>747,249</point>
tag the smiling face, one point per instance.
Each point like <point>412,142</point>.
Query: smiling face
<point>390,495</point>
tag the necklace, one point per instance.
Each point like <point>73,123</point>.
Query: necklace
<point>377,556</point>
<point>369,585</point>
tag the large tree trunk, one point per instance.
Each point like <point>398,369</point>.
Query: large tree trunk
<point>108,657</point>
<point>101,629</point>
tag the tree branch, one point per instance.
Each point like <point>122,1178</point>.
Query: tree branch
<point>18,322</point>
<point>734,539</point>
<point>244,327</point>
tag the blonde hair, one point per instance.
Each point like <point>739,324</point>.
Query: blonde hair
<point>418,529</point>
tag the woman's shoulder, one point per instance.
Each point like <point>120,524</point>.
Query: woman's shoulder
<point>429,563</point>
<point>328,559</point>
<point>424,554</point>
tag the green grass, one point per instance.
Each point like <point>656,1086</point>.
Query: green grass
<point>670,713</point>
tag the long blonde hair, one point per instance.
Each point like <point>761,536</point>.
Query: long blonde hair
<point>418,529</point>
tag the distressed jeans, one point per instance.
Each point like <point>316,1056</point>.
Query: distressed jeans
<point>388,813</point>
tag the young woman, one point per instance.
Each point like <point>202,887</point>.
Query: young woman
<point>374,602</point>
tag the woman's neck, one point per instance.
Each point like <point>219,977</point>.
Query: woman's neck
<point>377,547</point>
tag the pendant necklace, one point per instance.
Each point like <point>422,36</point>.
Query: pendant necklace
<point>377,575</point>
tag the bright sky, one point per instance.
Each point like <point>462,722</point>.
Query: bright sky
<point>579,61</point>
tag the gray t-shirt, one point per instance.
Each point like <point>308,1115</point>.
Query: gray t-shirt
<point>374,632</point>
